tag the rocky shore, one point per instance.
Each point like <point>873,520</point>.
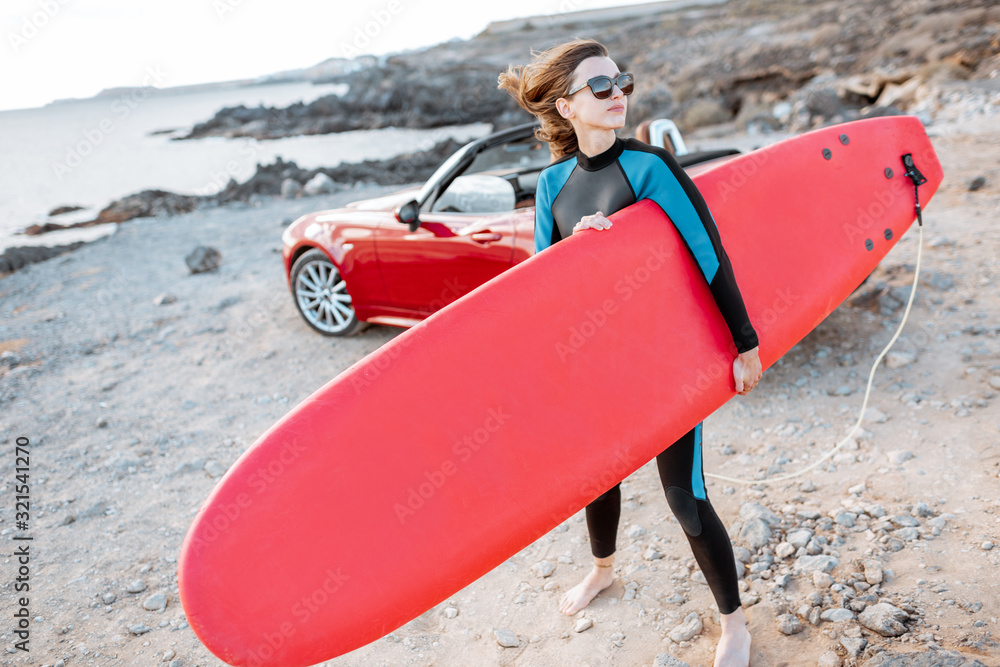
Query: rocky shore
<point>767,66</point>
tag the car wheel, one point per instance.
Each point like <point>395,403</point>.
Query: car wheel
<point>321,296</point>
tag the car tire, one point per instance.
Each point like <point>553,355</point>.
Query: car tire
<point>321,296</point>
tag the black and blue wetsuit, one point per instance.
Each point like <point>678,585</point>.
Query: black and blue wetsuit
<point>578,185</point>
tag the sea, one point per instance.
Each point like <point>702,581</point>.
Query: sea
<point>90,152</point>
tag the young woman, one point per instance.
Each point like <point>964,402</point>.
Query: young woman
<point>580,97</point>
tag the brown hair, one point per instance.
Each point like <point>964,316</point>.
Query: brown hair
<point>537,85</point>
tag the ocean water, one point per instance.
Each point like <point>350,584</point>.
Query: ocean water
<point>91,152</point>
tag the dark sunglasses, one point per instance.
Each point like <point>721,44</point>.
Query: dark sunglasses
<point>602,86</point>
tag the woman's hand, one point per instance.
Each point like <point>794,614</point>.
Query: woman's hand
<point>596,221</point>
<point>747,371</point>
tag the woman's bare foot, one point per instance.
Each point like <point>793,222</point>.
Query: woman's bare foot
<point>600,577</point>
<point>734,645</point>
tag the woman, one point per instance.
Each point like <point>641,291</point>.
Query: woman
<point>580,97</point>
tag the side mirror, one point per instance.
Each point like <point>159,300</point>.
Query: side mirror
<point>409,214</point>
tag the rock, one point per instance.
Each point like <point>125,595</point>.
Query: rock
<point>635,531</point>
<point>854,645</point>
<point>922,510</point>
<point>899,456</point>
<point>214,469</point>
<point>755,533</point>
<point>165,299</point>
<point>986,546</point>
<point>667,660</point>
<point>139,629</point>
<point>873,571</point>
<point>757,511</point>
<point>885,619</point>
<point>873,414</point>
<point>829,659</point>
<point>705,112</point>
<point>975,184</point>
<point>807,486</point>
<point>837,615</point>
<point>690,627</point>
<point>136,586</point>
<point>749,599</point>
<point>156,602</point>
<point>13,259</point>
<point>906,534</point>
<point>320,184</point>
<point>699,577</point>
<point>290,188</point>
<point>928,658</point>
<point>896,360</point>
<point>202,259</point>
<point>799,538</point>
<point>450,612</point>
<point>543,568</point>
<point>506,638</point>
<point>788,624</point>
<point>822,580</point>
<point>817,563</point>
<point>583,624</point>
<point>995,381</point>
<point>652,554</point>
<point>784,550</point>
<point>108,598</point>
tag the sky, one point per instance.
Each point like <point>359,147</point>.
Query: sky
<point>54,49</point>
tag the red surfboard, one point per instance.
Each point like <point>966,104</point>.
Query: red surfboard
<point>462,440</point>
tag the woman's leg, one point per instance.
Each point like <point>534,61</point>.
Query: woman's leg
<point>602,525</point>
<point>682,475</point>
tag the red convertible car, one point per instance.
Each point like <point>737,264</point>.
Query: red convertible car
<point>397,259</point>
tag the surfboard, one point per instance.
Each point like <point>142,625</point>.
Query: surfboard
<point>467,437</point>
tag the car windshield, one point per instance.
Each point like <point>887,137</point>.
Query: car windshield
<point>527,154</point>
<point>445,167</point>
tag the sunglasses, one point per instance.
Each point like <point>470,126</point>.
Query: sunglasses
<point>602,86</point>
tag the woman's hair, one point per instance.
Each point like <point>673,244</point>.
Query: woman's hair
<point>538,85</point>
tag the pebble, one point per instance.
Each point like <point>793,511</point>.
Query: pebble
<point>699,577</point>
<point>157,602</point>
<point>873,571</point>
<point>652,554</point>
<point>634,531</point>
<point>450,612</point>
<point>873,414</point>
<point>822,580</point>
<point>885,619</point>
<point>788,624</point>
<point>583,624</point>
<point>667,660</point>
<point>784,550</point>
<point>837,615</point>
<point>894,360</point>
<point>818,563</point>
<point>829,659</point>
<point>136,586</point>
<point>906,534</point>
<point>995,381</point>
<point>169,654</point>
<point>164,299</point>
<point>799,538</point>
<point>203,259</point>
<point>807,486</point>
<point>138,629</point>
<point>108,598</point>
<point>904,520</point>
<point>853,645</point>
<point>987,545</point>
<point>757,511</point>
<point>749,599</point>
<point>688,629</point>
<point>899,456</point>
<point>755,533</point>
<point>976,183</point>
<point>922,510</point>
<point>506,638</point>
<point>543,568</point>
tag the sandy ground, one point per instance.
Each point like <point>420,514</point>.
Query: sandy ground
<point>134,409</point>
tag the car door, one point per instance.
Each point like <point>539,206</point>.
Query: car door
<point>449,255</point>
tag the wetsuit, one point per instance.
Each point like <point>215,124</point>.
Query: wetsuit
<point>628,171</point>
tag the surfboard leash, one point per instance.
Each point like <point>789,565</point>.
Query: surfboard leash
<point>918,179</point>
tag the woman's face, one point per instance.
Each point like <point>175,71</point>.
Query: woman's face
<point>585,111</point>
